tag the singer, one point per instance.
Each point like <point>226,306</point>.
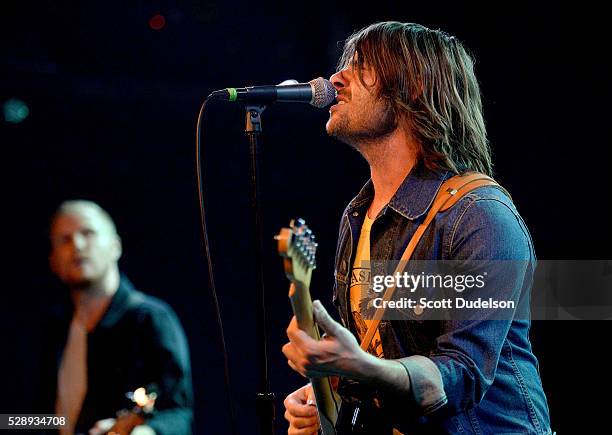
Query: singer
<point>409,101</point>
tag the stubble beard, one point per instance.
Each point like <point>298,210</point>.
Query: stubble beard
<point>370,130</point>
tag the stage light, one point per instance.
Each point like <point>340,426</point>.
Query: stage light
<point>157,22</point>
<point>15,111</point>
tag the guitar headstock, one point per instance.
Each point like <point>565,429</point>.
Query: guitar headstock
<point>144,402</point>
<point>298,248</point>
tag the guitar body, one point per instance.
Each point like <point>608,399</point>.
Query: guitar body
<point>355,419</point>
<point>360,413</point>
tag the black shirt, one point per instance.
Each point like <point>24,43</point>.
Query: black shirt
<point>138,342</point>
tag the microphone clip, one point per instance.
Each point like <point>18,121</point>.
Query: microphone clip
<point>253,118</point>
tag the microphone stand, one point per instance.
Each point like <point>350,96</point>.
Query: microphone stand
<point>265,398</point>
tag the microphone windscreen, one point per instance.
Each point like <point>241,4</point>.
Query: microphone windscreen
<point>323,92</point>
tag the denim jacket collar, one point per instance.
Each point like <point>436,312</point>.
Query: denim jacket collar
<point>413,197</point>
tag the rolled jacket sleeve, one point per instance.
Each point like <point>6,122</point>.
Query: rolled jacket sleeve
<point>463,363</point>
<point>467,352</point>
<point>426,383</point>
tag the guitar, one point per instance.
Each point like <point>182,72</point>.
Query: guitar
<point>297,246</point>
<point>127,419</point>
<point>337,416</point>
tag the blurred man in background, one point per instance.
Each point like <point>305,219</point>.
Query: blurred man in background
<point>109,339</point>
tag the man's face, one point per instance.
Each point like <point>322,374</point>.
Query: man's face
<point>83,247</point>
<point>359,116</point>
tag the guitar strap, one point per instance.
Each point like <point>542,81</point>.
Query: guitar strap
<point>451,191</point>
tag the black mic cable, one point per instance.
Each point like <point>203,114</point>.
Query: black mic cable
<point>211,279</point>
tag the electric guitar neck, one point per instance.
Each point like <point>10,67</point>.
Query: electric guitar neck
<point>297,246</point>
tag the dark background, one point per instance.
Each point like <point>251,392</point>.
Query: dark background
<point>113,107</point>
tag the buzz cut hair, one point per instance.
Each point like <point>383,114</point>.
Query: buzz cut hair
<point>76,205</point>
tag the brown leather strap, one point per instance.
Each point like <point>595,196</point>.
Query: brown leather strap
<point>451,191</point>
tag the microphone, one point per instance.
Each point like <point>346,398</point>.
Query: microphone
<point>318,92</point>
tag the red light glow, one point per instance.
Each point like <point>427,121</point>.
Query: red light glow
<point>157,22</point>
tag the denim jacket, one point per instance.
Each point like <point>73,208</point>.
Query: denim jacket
<point>476,376</point>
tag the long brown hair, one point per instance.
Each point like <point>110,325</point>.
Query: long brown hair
<point>428,78</point>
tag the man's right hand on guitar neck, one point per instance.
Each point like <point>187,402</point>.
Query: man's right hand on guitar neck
<point>301,412</point>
